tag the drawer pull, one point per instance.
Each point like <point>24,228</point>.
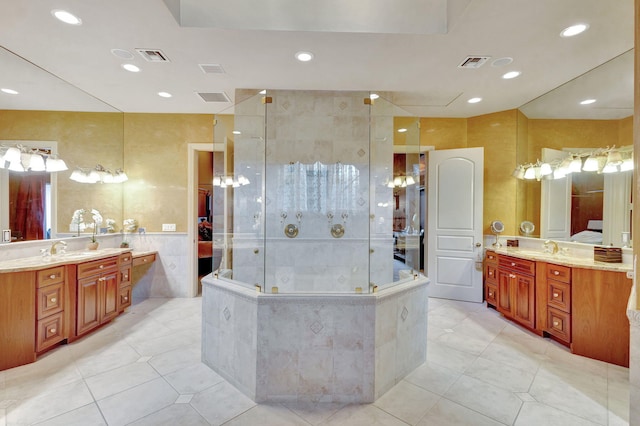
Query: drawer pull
<point>52,276</point>
<point>490,294</point>
<point>145,259</point>
<point>555,295</point>
<point>125,298</point>
<point>52,330</point>
<point>53,300</point>
<point>556,272</point>
<point>490,274</point>
<point>556,323</point>
<point>513,264</point>
<point>101,266</point>
<point>126,277</point>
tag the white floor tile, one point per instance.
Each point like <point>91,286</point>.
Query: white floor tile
<point>492,401</point>
<point>135,403</point>
<point>481,370</point>
<point>221,403</point>
<point>407,402</point>
<point>449,413</point>
<point>126,377</point>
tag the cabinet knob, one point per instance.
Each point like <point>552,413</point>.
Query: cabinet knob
<point>144,260</point>
<point>490,274</point>
<point>513,264</point>
<point>490,294</point>
<point>52,276</point>
<point>126,277</point>
<point>556,323</point>
<point>126,298</point>
<point>52,330</point>
<point>101,266</point>
<point>556,272</point>
<point>53,300</point>
<point>555,294</point>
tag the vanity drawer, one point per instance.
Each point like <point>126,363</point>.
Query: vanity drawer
<point>559,273</point>
<point>523,266</point>
<point>491,257</point>
<point>49,331</point>
<point>50,276</point>
<point>125,259</point>
<point>125,275</point>
<point>124,298</point>
<point>559,324</point>
<point>491,294</point>
<point>144,260</point>
<point>87,269</point>
<point>559,295</point>
<point>491,273</point>
<point>50,300</point>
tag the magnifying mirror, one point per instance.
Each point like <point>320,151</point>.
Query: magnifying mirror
<point>497,227</point>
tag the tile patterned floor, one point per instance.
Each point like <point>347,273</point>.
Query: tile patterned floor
<point>144,369</point>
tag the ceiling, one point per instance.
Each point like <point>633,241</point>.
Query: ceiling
<point>409,53</point>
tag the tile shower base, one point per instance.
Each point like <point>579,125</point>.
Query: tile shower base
<point>348,348</point>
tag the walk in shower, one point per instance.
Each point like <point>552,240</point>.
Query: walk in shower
<point>318,297</point>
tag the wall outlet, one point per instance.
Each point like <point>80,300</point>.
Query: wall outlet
<point>142,230</point>
<point>170,227</point>
<point>6,235</point>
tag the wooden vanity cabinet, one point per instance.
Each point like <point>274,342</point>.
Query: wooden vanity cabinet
<point>558,284</point>
<point>124,290</point>
<point>491,278</point>
<point>516,289</point>
<point>50,305</point>
<point>97,293</point>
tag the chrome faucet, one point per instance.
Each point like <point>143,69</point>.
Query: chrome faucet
<point>553,244</point>
<point>54,247</point>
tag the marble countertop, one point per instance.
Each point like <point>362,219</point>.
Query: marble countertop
<point>71,257</point>
<point>562,259</point>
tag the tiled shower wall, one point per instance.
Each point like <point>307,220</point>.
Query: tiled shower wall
<point>310,137</point>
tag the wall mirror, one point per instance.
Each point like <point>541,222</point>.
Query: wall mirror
<point>85,131</point>
<point>609,122</point>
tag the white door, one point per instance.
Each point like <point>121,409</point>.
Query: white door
<point>454,253</point>
<point>555,202</point>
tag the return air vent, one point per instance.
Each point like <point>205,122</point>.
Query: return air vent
<point>214,97</point>
<point>153,55</point>
<point>474,62</point>
<point>212,69</point>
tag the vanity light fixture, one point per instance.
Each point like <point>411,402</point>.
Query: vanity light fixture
<point>374,96</point>
<point>474,100</point>
<point>602,160</point>
<point>98,175</point>
<point>402,130</point>
<point>225,181</point>
<point>574,30</point>
<point>66,17</point>
<point>401,181</point>
<point>9,91</point>
<point>21,159</point>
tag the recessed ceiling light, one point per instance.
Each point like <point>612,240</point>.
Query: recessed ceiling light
<point>131,67</point>
<point>374,96</point>
<point>474,100</point>
<point>511,74</point>
<point>402,130</point>
<point>304,56</point>
<point>587,102</point>
<point>574,30</point>
<point>9,91</point>
<point>66,17</point>
<point>164,94</point>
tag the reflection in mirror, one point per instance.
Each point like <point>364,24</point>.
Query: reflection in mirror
<point>557,120</point>
<point>85,131</point>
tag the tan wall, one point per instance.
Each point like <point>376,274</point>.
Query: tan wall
<point>84,140</point>
<point>155,147</point>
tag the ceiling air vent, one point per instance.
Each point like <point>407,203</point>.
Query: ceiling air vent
<point>153,55</point>
<point>474,62</point>
<point>212,68</point>
<point>214,97</point>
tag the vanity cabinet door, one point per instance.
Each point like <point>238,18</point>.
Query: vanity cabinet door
<point>88,304</point>
<point>505,284</point>
<point>524,303</point>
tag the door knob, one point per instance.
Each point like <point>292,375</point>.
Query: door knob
<point>478,245</point>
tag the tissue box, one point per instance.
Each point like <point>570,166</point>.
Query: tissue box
<point>607,254</point>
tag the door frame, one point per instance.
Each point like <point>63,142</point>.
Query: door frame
<point>192,208</point>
